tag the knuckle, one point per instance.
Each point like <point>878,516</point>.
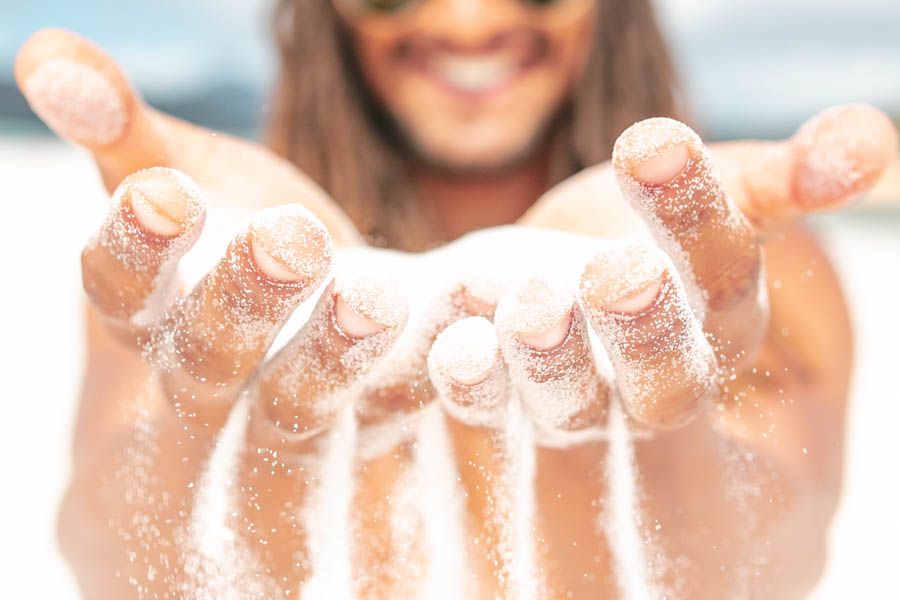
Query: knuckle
<point>735,280</point>
<point>675,404</point>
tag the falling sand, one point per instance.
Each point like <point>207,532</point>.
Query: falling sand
<point>515,254</point>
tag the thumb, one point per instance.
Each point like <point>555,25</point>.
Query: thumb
<point>83,96</point>
<point>834,158</point>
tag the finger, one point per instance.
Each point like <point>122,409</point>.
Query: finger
<point>386,555</point>
<point>212,340</point>
<point>465,366</point>
<point>389,547</point>
<point>403,387</point>
<point>665,172</point>
<point>544,339</point>
<point>128,268</point>
<point>467,370</point>
<point>665,369</point>
<point>82,95</point>
<point>295,401</point>
<point>354,323</point>
<point>833,159</point>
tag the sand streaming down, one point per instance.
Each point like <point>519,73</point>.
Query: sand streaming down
<point>622,521</point>
<point>134,471</point>
<point>326,516</point>
<point>217,567</point>
<point>525,581</point>
<point>516,253</point>
<point>442,510</point>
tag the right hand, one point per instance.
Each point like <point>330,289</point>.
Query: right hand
<point>135,459</point>
<point>164,371</point>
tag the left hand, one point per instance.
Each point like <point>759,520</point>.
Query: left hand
<point>744,474</point>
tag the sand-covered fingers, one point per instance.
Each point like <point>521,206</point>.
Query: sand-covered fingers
<point>544,338</point>
<point>295,401</point>
<point>213,339</point>
<point>390,545</point>
<point>664,367</point>
<point>395,399</point>
<point>466,366</point>
<point>466,369</point>
<point>128,268</point>
<point>666,173</point>
<point>303,388</point>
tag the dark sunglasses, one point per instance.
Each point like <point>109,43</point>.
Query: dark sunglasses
<point>390,6</point>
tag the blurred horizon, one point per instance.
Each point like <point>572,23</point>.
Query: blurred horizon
<point>748,68</point>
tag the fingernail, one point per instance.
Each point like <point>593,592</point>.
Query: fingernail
<point>537,312</point>
<point>353,323</point>
<point>151,216</point>
<point>550,338</point>
<point>654,151</point>
<point>664,166</point>
<point>268,264</point>
<point>77,102</point>
<point>625,280</point>
<point>638,301</point>
<point>365,305</point>
<point>289,245</point>
<point>163,201</point>
<point>161,214</point>
<point>466,351</point>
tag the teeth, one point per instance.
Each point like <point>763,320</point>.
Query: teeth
<point>474,74</point>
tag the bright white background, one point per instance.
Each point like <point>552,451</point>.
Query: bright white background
<point>750,68</point>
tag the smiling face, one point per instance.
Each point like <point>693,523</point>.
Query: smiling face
<point>471,84</point>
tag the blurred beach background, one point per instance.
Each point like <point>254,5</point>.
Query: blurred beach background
<point>750,68</point>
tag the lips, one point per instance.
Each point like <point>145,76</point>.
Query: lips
<point>478,69</point>
<point>474,73</point>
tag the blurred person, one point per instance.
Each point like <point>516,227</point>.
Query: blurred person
<point>408,124</point>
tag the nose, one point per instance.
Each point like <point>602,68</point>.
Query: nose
<point>468,24</point>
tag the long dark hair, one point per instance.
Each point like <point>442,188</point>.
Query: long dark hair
<point>325,123</point>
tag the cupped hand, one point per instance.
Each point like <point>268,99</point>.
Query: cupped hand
<point>739,486</point>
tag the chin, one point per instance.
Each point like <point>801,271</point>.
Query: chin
<point>469,152</point>
<point>475,160</point>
